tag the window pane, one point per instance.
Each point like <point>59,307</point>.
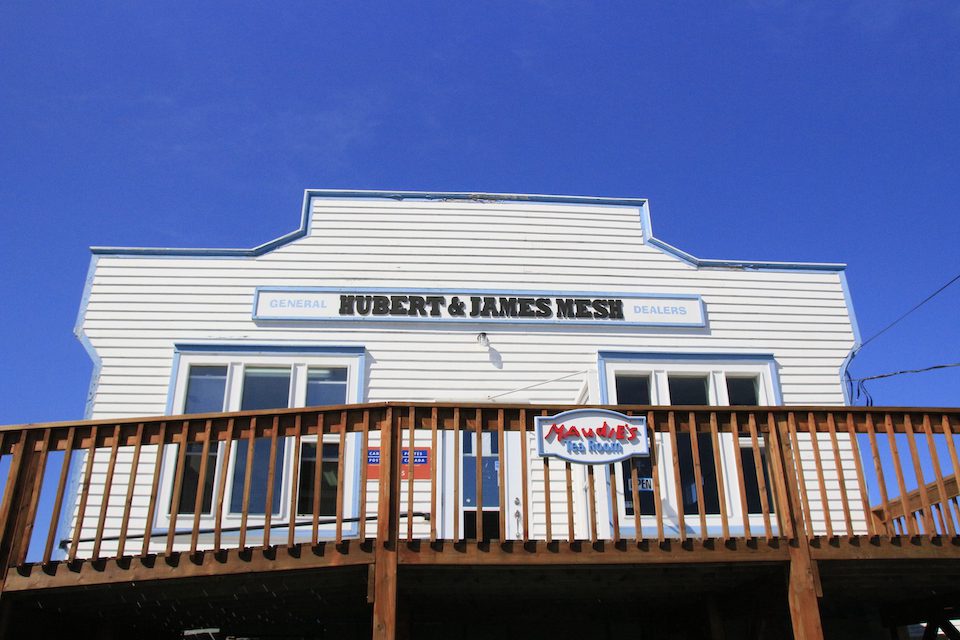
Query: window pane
<point>328,479</point>
<point>688,483</point>
<point>742,391</point>
<point>685,390</point>
<point>633,390</point>
<point>750,480</point>
<point>489,475</point>
<point>326,387</point>
<point>265,389</point>
<point>205,388</point>
<point>258,477</point>
<point>644,470</point>
<point>191,479</point>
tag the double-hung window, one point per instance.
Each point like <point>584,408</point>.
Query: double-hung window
<point>688,379</point>
<point>208,378</point>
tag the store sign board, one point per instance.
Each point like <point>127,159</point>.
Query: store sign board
<point>592,436</point>
<point>531,307</point>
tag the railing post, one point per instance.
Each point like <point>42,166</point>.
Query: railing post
<point>803,584</point>
<point>17,500</point>
<point>385,557</point>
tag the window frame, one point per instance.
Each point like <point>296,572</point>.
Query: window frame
<point>237,358</point>
<point>659,367</point>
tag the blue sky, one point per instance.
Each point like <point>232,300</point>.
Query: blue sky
<point>807,131</point>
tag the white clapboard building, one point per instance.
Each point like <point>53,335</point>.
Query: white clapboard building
<point>451,297</point>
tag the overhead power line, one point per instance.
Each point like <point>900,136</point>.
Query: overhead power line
<point>914,308</point>
<point>860,381</point>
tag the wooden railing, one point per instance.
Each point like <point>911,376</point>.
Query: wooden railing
<point>88,491</point>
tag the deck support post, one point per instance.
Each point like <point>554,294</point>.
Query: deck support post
<point>803,585</point>
<point>802,595</point>
<point>385,567</point>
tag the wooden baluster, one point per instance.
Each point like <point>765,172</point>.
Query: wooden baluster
<point>456,474</point>
<point>861,478</point>
<point>478,451</point>
<point>678,487</point>
<point>107,486</point>
<point>698,474</point>
<point>741,485</point>
<point>832,428</point>
<point>411,449</point>
<point>247,478</point>
<point>523,475</point>
<point>33,499</point>
<point>943,505</point>
<point>131,486</point>
<point>929,528</point>
<point>635,496</point>
<point>318,480</point>
<point>655,467</point>
<point>84,495</point>
<point>901,484</point>
<point>271,472</point>
<point>58,500</point>
<point>614,503</point>
<point>178,474</point>
<point>718,475</point>
<point>17,476</point>
<point>761,476</point>
<point>154,490</point>
<point>787,499</point>
<point>433,473</point>
<point>201,486</point>
<point>571,525</point>
<point>592,503</point>
<point>364,448</point>
<point>952,449</point>
<point>341,453</point>
<point>546,493</point>
<point>801,480</point>
<point>295,478</point>
<point>397,445</point>
<point>881,481</point>
<point>821,481</point>
<point>501,445</point>
<point>222,484</point>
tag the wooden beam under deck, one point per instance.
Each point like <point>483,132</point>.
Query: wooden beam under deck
<point>185,565</point>
<point>585,553</point>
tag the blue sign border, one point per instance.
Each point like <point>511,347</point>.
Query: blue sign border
<point>489,292</point>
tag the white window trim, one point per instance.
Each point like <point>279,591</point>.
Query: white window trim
<point>236,362</point>
<point>658,368</point>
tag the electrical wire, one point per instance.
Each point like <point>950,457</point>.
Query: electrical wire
<point>915,307</point>
<point>897,373</point>
<point>861,388</point>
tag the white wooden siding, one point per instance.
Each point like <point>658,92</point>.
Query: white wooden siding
<point>139,306</point>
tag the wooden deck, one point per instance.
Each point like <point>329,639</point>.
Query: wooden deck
<point>893,503</point>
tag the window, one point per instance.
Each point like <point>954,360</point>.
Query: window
<point>205,393</point>
<point>328,478</point>
<point>249,379</point>
<point>664,379</point>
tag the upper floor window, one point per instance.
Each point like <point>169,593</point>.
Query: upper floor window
<point>211,381</point>
<point>701,380</point>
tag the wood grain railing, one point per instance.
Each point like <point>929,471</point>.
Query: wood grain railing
<point>383,473</point>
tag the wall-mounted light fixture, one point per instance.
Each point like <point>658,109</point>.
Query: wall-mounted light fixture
<point>483,339</point>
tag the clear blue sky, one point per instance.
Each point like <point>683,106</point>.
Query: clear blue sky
<point>781,130</point>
